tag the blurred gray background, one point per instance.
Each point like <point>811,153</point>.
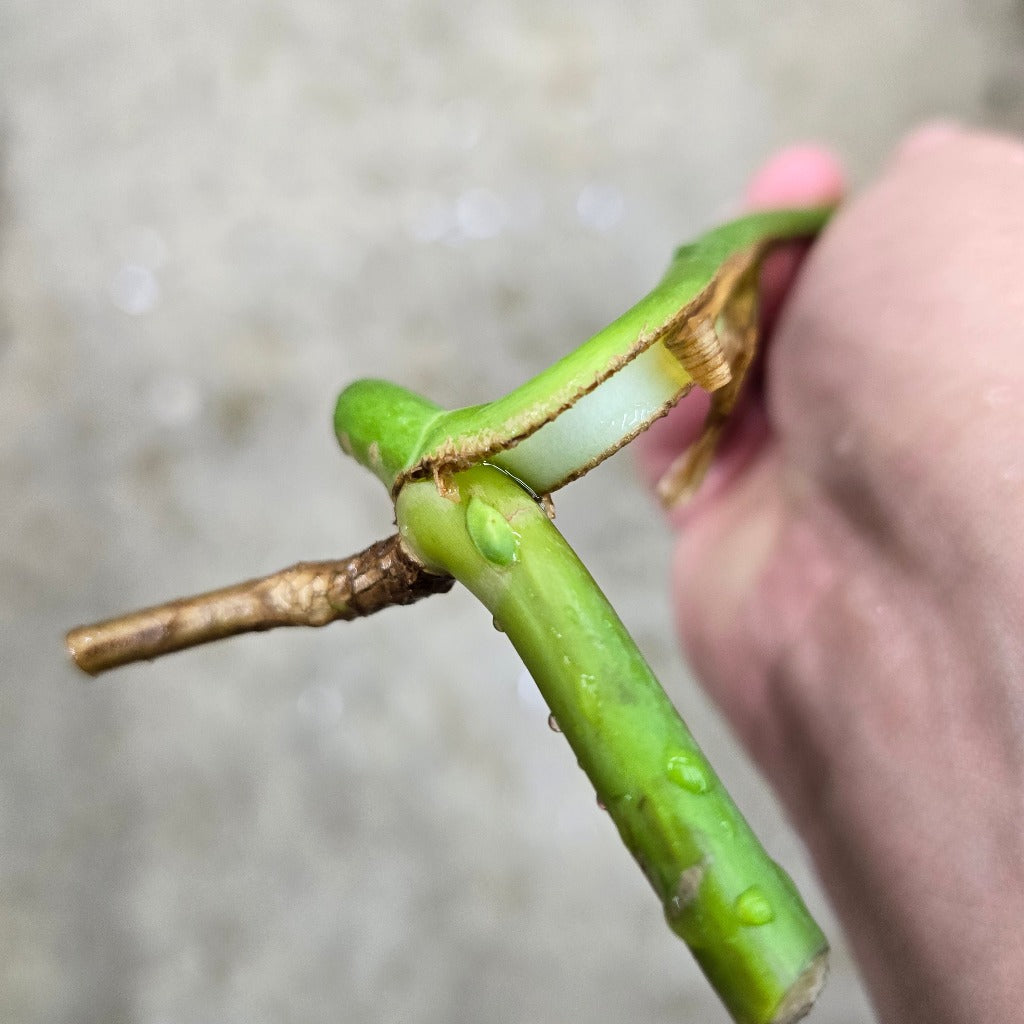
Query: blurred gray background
<point>213,216</point>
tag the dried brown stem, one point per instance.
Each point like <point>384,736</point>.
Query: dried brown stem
<point>306,594</point>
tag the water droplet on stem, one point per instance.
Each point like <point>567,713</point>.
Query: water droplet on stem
<point>687,772</point>
<point>752,907</point>
<point>490,532</point>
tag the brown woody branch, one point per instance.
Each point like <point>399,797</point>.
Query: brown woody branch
<point>306,594</point>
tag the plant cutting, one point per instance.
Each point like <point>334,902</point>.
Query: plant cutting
<point>472,495</point>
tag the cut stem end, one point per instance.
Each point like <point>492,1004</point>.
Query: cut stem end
<point>805,991</point>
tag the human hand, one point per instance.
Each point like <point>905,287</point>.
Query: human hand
<point>850,582</point>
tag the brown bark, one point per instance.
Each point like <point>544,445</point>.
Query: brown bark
<point>306,594</point>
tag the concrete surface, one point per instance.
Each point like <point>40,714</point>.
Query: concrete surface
<point>213,216</point>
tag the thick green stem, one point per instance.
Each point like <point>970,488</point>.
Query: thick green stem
<point>736,909</point>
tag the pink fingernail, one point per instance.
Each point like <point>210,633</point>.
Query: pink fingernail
<point>804,173</point>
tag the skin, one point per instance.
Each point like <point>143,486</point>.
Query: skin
<point>850,583</point>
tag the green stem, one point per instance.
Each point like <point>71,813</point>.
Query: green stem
<point>736,909</point>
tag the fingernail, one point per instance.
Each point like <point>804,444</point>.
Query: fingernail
<point>798,174</point>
